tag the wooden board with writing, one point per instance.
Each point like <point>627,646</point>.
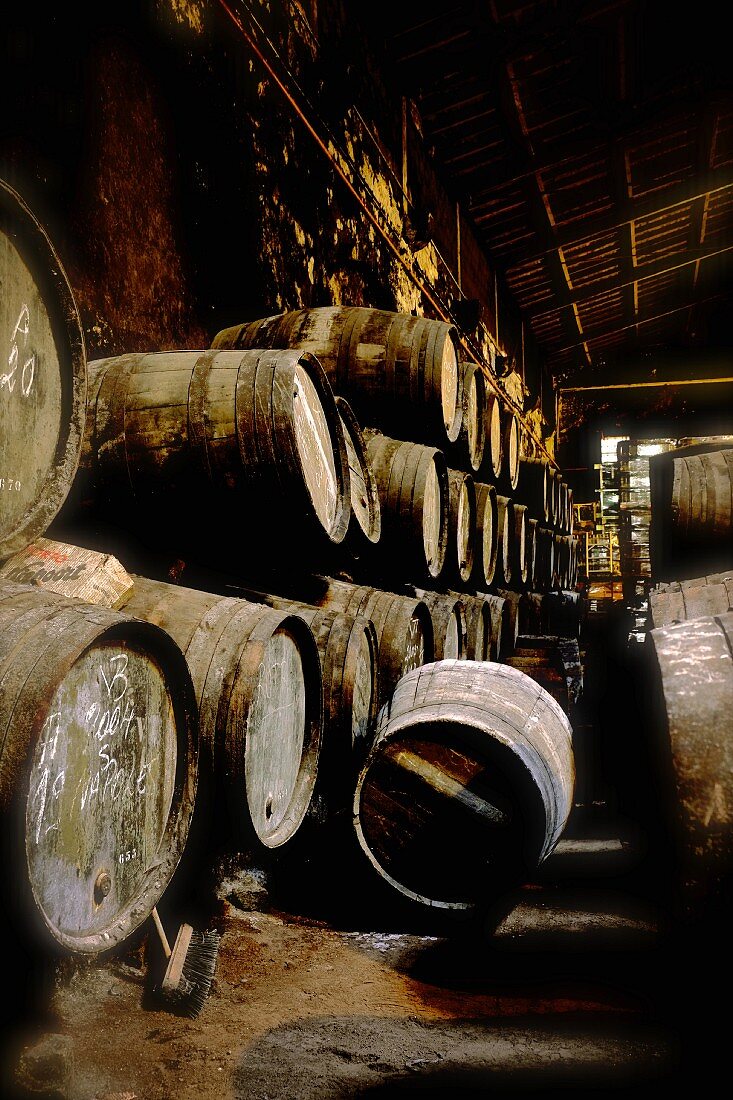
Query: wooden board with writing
<point>71,571</point>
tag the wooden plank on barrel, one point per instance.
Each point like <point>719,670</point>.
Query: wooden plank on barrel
<point>71,571</point>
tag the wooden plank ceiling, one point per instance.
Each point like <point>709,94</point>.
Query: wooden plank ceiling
<point>592,144</point>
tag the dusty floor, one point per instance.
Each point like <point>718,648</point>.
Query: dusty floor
<point>565,995</point>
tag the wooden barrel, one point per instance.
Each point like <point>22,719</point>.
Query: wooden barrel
<point>98,765</point>
<point>257,678</point>
<point>470,449</point>
<point>391,366</point>
<point>506,534</point>
<point>502,634</point>
<point>696,582</point>
<point>539,657</point>
<point>677,603</point>
<point>564,523</point>
<point>459,558</point>
<point>562,614</point>
<point>519,545</point>
<point>556,503</point>
<point>404,626</point>
<point>413,496</point>
<point>493,463</point>
<point>511,437</point>
<point>365,524</point>
<point>571,512</point>
<point>698,526</point>
<point>545,573</point>
<point>220,432</point>
<point>468,785</point>
<point>478,626</point>
<point>486,544</point>
<point>534,489</point>
<point>42,378</point>
<point>692,677</point>
<point>531,551</point>
<point>448,614</point>
<point>511,612</point>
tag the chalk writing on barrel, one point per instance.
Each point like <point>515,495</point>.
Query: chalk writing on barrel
<point>19,357</point>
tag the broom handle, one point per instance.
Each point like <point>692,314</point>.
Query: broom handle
<point>161,933</point>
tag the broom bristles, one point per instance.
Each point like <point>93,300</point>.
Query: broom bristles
<point>190,994</point>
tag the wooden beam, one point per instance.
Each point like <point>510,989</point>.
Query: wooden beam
<point>644,385</point>
<point>602,333</point>
<point>570,236</point>
<point>690,257</point>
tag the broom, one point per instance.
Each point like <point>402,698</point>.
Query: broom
<point>190,970</point>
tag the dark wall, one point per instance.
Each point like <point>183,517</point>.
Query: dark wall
<point>185,192</point>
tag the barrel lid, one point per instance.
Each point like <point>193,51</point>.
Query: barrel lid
<point>111,787</point>
<point>42,378</point>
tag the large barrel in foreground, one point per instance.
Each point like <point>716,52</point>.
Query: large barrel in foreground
<point>258,687</point>
<point>395,368</point>
<point>235,435</point>
<point>42,378</point>
<point>98,762</point>
<point>468,785</point>
<point>693,683</point>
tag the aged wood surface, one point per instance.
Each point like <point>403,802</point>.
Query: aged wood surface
<point>493,463</point>
<point>71,571</point>
<point>99,753</point>
<point>449,624</point>
<point>257,678</point>
<point>468,785</point>
<point>693,664</point>
<point>42,378</point>
<point>478,627</point>
<point>220,431</point>
<point>511,448</point>
<point>389,365</point>
<point>487,536</point>
<point>366,517</point>
<point>461,527</point>
<point>414,499</point>
<point>506,534</point>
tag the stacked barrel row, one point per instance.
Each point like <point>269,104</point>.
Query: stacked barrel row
<point>241,457</point>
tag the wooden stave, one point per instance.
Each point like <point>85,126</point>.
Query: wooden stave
<point>448,614</point>
<point>512,603</point>
<point>424,698</point>
<point>478,626</point>
<point>459,558</point>
<point>68,629</point>
<point>224,641</point>
<point>487,519</point>
<point>469,450</point>
<point>405,373</point>
<point>533,490</point>
<point>501,640</point>
<point>532,525</point>
<point>391,615</point>
<point>34,246</point>
<point>511,449</point>
<point>358,537</point>
<point>504,574</point>
<point>219,445</point>
<point>401,470</point>
<point>690,602</point>
<point>493,462</point>
<point>518,545</point>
